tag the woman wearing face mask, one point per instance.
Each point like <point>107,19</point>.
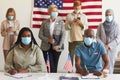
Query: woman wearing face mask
<point>52,34</point>
<point>9,30</point>
<point>109,33</point>
<point>25,56</point>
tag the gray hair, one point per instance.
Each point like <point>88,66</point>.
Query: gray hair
<point>50,7</point>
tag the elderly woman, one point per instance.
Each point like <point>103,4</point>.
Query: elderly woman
<point>52,34</point>
<point>109,33</point>
<point>25,56</point>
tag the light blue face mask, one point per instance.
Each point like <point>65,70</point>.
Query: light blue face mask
<point>88,41</point>
<point>54,14</point>
<point>10,17</point>
<point>26,40</point>
<point>109,18</point>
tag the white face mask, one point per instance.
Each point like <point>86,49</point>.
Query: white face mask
<point>109,18</point>
<point>77,11</point>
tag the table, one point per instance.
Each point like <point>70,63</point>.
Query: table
<point>55,76</point>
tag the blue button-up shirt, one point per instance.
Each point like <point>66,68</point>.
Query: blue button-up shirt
<point>91,58</point>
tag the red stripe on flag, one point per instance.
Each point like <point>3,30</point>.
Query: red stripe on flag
<point>38,19</point>
<point>93,27</point>
<point>67,8</point>
<point>89,0</point>
<point>91,6</point>
<point>68,1</point>
<point>94,20</point>
<point>36,26</point>
<point>40,12</point>
<point>93,13</point>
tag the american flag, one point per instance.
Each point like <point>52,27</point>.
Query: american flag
<point>92,8</point>
<point>68,64</point>
<point>48,63</point>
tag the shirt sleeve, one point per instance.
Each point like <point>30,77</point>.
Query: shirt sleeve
<point>40,63</point>
<point>41,33</point>
<point>9,61</point>
<point>67,23</point>
<point>17,27</point>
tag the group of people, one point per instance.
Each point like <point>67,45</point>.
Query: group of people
<point>93,54</point>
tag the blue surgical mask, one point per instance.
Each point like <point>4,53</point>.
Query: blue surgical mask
<point>54,14</point>
<point>10,17</point>
<point>26,40</point>
<point>109,18</point>
<point>88,41</point>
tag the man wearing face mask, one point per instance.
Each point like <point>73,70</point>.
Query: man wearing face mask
<point>76,23</point>
<point>90,55</point>
<point>108,33</point>
<point>52,34</point>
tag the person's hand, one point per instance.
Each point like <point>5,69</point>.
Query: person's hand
<point>97,73</point>
<point>23,70</point>
<point>73,21</point>
<point>107,47</point>
<point>4,33</point>
<point>56,48</point>
<point>105,72</point>
<point>12,72</point>
<point>79,22</point>
<point>85,72</point>
<point>10,29</point>
<point>51,41</point>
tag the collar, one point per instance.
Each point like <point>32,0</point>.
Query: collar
<point>92,46</point>
<point>32,46</point>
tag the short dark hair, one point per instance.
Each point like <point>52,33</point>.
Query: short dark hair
<point>76,3</point>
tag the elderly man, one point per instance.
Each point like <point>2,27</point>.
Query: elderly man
<point>90,55</point>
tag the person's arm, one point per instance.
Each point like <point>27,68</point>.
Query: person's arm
<point>105,60</point>
<point>40,63</point>
<point>83,22</point>
<point>116,41</point>
<point>3,30</point>
<point>68,22</point>
<point>63,33</point>
<point>17,28</point>
<point>9,68</point>
<point>99,31</point>
<point>79,68</point>
<point>78,63</point>
<point>41,33</point>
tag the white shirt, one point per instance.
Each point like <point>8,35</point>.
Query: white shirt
<point>52,28</point>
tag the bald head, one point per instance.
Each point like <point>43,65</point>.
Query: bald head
<point>89,33</point>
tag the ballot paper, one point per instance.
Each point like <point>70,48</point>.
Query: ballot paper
<point>19,75</point>
<point>68,78</point>
<point>90,76</point>
<point>46,77</point>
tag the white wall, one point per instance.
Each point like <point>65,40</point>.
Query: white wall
<point>23,10</point>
